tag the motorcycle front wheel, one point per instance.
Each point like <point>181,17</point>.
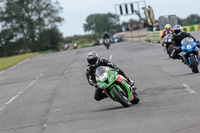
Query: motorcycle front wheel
<point>120,97</point>
<point>170,49</point>
<point>194,64</point>
<point>136,98</point>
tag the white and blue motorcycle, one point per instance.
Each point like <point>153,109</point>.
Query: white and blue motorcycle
<point>190,53</point>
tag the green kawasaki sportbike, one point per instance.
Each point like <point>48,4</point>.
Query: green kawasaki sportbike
<point>116,86</point>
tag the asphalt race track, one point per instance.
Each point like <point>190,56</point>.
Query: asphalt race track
<point>50,94</point>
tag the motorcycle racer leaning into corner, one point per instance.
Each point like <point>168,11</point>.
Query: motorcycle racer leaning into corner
<point>93,62</point>
<point>167,30</point>
<point>178,36</point>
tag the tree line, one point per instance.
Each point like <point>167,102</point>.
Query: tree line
<point>98,23</point>
<point>190,20</point>
<point>29,26</point>
<point>32,25</point>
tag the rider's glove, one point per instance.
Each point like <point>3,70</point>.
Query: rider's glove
<point>116,69</point>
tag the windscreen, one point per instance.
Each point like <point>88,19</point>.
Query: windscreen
<point>187,40</point>
<point>169,35</point>
<point>100,70</point>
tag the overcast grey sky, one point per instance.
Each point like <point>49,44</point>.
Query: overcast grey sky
<point>75,12</point>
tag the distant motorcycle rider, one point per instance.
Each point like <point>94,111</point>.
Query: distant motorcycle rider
<point>93,62</point>
<point>178,36</point>
<point>167,30</point>
<point>75,45</point>
<point>106,35</point>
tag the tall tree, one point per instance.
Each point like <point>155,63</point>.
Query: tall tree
<point>192,19</point>
<point>28,20</point>
<point>99,23</point>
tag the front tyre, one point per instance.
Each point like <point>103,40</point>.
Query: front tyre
<point>136,98</point>
<point>120,97</point>
<point>107,47</point>
<point>194,64</point>
<point>170,49</point>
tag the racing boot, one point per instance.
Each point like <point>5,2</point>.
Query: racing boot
<point>99,95</point>
<point>183,61</point>
<point>103,95</point>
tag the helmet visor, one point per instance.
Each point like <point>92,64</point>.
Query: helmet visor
<point>92,61</point>
<point>176,31</point>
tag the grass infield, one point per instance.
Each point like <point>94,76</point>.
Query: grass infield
<point>13,60</point>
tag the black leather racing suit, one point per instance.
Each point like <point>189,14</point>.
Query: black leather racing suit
<point>176,42</point>
<point>106,36</point>
<point>90,74</point>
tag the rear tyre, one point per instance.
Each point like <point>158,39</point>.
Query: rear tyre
<point>120,97</point>
<point>194,64</point>
<point>136,98</point>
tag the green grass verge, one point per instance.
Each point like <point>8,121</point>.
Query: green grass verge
<point>46,52</point>
<point>10,61</point>
<point>87,45</point>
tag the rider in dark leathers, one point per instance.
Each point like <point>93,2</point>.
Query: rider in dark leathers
<point>93,62</point>
<point>178,36</point>
<point>106,35</point>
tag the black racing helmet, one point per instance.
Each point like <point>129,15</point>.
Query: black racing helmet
<point>92,58</point>
<point>177,30</point>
